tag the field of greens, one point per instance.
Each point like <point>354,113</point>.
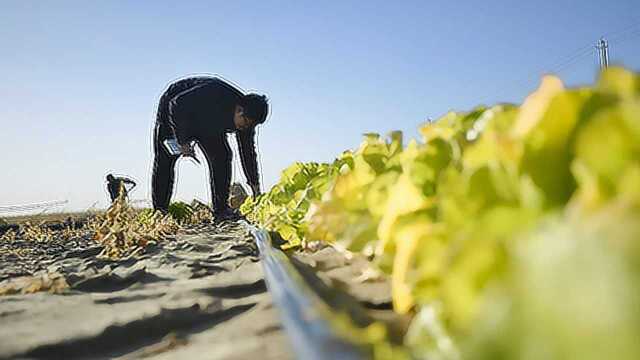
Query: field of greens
<point>507,231</point>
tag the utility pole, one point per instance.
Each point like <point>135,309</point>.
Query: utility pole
<point>603,53</point>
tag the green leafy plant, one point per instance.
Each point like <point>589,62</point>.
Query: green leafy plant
<point>284,207</point>
<point>180,211</point>
<point>466,222</point>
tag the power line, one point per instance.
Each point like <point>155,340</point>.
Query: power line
<point>568,61</point>
<point>570,68</point>
<point>629,32</point>
<point>576,53</point>
<point>572,60</point>
<point>615,36</point>
<point>627,37</point>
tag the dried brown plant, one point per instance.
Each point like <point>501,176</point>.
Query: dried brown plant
<point>53,283</point>
<point>10,235</point>
<point>125,232</point>
<point>201,214</point>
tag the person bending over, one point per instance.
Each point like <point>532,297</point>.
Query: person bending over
<point>203,110</point>
<point>116,185</point>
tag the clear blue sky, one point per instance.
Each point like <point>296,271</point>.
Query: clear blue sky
<point>80,81</point>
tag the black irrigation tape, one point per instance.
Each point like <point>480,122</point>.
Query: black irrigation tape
<point>310,334</point>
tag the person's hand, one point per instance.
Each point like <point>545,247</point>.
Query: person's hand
<point>190,152</point>
<point>255,189</point>
<point>187,150</point>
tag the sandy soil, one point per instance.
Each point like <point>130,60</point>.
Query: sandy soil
<point>349,284</point>
<point>200,295</point>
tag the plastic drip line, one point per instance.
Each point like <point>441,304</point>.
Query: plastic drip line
<point>310,334</point>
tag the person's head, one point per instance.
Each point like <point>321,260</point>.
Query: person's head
<point>110,178</point>
<point>251,111</point>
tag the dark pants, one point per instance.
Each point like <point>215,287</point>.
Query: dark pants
<point>115,190</point>
<point>218,155</point>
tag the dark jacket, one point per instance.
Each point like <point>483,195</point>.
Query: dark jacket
<point>118,184</point>
<point>206,105</point>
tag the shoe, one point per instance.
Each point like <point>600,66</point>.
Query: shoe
<point>227,214</point>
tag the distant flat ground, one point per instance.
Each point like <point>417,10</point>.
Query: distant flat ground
<point>49,217</point>
<point>199,295</point>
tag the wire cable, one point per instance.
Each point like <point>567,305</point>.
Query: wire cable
<point>531,80</point>
<point>33,206</point>
<point>10,209</point>
<point>615,36</point>
<point>627,33</point>
<point>628,36</point>
<point>572,62</point>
